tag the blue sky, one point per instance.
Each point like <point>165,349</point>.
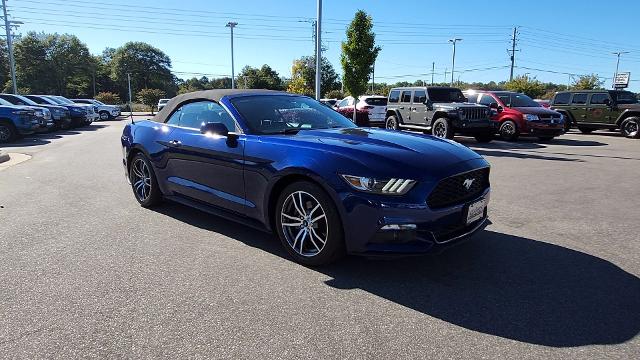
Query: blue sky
<point>556,38</point>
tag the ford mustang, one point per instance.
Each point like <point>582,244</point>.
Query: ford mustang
<point>287,164</point>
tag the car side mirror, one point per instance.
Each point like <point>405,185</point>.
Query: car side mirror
<point>494,105</point>
<point>215,128</point>
<point>607,102</point>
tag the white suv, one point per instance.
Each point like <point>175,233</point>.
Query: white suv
<point>375,105</point>
<point>162,103</point>
<point>105,112</point>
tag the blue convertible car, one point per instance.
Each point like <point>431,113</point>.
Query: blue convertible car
<point>288,164</point>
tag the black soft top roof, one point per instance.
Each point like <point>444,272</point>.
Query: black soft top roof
<point>214,95</point>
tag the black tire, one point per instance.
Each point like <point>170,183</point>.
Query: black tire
<point>631,127</point>
<point>104,115</point>
<point>567,122</point>
<point>441,128</point>
<point>509,131</point>
<point>585,130</point>
<point>152,196</point>
<point>545,138</point>
<point>328,227</point>
<point>483,137</point>
<point>391,123</point>
<point>8,132</point>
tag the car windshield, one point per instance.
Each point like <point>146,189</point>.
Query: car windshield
<point>55,100</point>
<point>521,100</point>
<point>163,101</point>
<point>280,114</point>
<point>26,100</point>
<point>626,97</point>
<point>446,95</point>
<point>5,102</point>
<point>376,101</point>
<point>97,102</point>
<point>64,100</point>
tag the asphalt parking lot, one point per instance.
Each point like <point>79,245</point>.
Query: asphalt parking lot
<point>86,272</point>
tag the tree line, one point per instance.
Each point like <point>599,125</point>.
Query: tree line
<point>62,64</point>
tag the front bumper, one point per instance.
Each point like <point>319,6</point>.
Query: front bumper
<point>474,126</point>
<point>402,229</point>
<point>534,128</point>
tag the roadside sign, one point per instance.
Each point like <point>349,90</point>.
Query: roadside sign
<point>621,80</point>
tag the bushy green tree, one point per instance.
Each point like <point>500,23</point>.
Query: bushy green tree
<point>334,94</point>
<point>259,78</point>
<point>150,97</point>
<point>359,53</point>
<point>109,98</point>
<point>527,85</point>
<point>149,67</point>
<point>587,82</point>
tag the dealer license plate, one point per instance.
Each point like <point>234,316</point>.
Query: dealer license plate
<point>476,210</point>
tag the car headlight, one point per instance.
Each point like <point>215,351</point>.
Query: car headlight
<point>39,113</point>
<point>530,117</point>
<point>387,187</point>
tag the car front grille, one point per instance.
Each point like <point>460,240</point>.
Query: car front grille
<point>550,119</point>
<point>453,190</point>
<point>474,113</point>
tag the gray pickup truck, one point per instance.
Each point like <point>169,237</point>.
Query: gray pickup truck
<point>441,111</point>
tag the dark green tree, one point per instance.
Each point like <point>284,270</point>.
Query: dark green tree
<point>359,54</point>
<point>149,67</point>
<point>262,78</point>
<point>150,97</point>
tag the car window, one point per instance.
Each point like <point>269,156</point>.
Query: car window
<point>343,103</point>
<point>13,100</point>
<point>174,119</point>
<point>487,99</point>
<point>196,114</point>
<point>284,114</point>
<point>505,99</point>
<point>579,99</point>
<point>394,96</point>
<point>626,97</point>
<point>472,98</point>
<point>562,99</point>
<point>376,101</point>
<point>446,95</point>
<point>599,98</point>
<point>406,96</point>
<point>419,97</point>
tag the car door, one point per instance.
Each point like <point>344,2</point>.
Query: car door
<point>418,108</point>
<point>599,110</point>
<point>578,107</point>
<point>206,167</point>
<point>405,105</point>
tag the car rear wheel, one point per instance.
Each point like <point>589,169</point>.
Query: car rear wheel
<point>7,132</point>
<point>585,130</point>
<point>391,123</point>
<point>509,131</point>
<point>308,224</point>
<point>144,182</point>
<point>630,127</point>
<point>104,115</point>
<point>442,129</point>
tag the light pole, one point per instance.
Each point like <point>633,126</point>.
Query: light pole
<point>7,25</point>
<point>617,53</point>
<point>453,60</point>
<point>231,25</point>
<point>318,49</point>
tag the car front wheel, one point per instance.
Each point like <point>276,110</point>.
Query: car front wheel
<point>144,182</point>
<point>308,224</point>
<point>104,115</point>
<point>442,129</point>
<point>509,131</point>
<point>630,127</point>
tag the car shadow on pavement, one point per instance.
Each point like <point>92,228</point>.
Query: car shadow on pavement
<point>522,155</point>
<point>498,284</point>
<point>527,143</point>
<point>46,138</point>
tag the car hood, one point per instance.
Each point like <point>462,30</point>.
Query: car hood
<point>536,111</point>
<point>456,105</point>
<point>386,151</point>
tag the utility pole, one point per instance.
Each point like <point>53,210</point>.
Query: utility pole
<point>618,53</point>
<point>373,79</point>
<point>433,70</point>
<point>318,49</point>
<point>445,75</point>
<point>129,84</point>
<point>7,26</point>
<point>453,60</point>
<point>231,25</point>
<point>513,51</point>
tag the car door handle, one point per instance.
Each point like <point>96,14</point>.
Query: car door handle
<point>175,143</point>
<point>401,108</point>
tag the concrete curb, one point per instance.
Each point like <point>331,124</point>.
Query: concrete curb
<point>3,156</point>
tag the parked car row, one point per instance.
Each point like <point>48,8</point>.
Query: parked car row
<point>28,114</point>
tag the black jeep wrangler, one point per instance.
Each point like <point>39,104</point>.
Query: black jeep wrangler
<point>442,111</point>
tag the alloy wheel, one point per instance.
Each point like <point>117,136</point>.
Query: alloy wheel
<point>141,179</point>
<point>631,128</point>
<point>439,130</point>
<point>104,116</point>
<point>304,223</point>
<point>5,133</point>
<point>391,124</point>
<point>508,129</point>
